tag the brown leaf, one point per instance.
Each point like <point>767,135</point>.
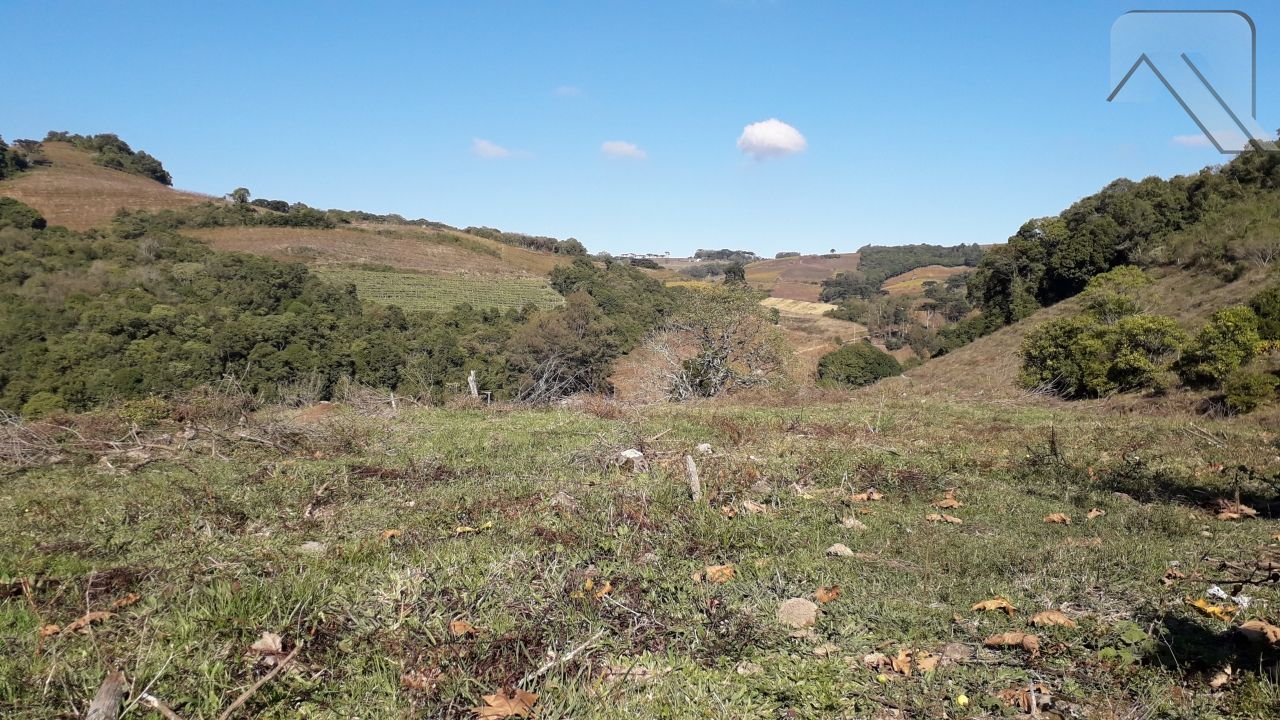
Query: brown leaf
<point>728,511</point>
<point>1231,510</point>
<point>877,661</point>
<point>927,662</point>
<point>88,619</point>
<point>1221,678</point>
<point>387,535</point>
<point>995,603</point>
<point>754,507</point>
<point>420,681</point>
<point>503,705</point>
<point>269,649</point>
<point>1208,609</point>
<point>1022,699</point>
<point>948,501</point>
<point>1170,576</point>
<point>1057,518</point>
<point>871,495</point>
<point>825,595</point>
<point>935,517</point>
<point>604,590</point>
<point>1094,513</point>
<point>719,574</point>
<point>1026,641</point>
<point>47,630</point>
<point>1049,618</point>
<point>902,663</point>
<point>126,601</point>
<point>459,627</point>
<point>1261,632</point>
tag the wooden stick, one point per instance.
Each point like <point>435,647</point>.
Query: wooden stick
<point>106,704</point>
<point>695,485</point>
<point>244,696</point>
<point>158,705</point>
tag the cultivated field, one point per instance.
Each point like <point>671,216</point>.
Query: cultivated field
<point>415,291</point>
<point>78,194</point>
<point>797,307</point>
<point>912,282</point>
<point>863,556</point>
<point>799,278</point>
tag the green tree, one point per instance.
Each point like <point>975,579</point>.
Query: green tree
<point>1228,341</point>
<point>735,274</point>
<point>1266,305</point>
<point>857,364</point>
<point>240,196</point>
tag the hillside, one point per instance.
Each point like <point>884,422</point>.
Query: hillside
<point>436,267</point>
<point>799,277</point>
<point>988,367</point>
<point>74,192</point>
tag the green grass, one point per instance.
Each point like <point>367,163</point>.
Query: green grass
<point>215,549</point>
<point>414,291</point>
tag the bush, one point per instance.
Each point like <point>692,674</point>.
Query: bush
<point>1229,340</point>
<point>1244,390</point>
<point>1266,305</point>
<point>857,364</point>
<point>41,404</point>
<point>1081,356</point>
<point>18,215</point>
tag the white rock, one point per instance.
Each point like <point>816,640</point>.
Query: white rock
<point>839,550</point>
<point>704,448</point>
<point>633,460</point>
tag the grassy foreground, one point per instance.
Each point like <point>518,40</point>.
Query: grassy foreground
<point>370,539</point>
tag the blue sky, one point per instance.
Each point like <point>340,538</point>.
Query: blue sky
<point>921,121</point>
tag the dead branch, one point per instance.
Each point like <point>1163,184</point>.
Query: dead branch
<point>106,704</point>
<point>244,696</point>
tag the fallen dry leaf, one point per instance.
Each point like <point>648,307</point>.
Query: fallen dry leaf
<point>126,601</point>
<point>1057,518</point>
<point>902,663</point>
<point>1049,618</point>
<point>927,662</point>
<point>1094,513</point>
<point>1026,641</point>
<point>877,661</point>
<point>825,595</point>
<point>1025,699</point>
<point>1220,678</point>
<point>995,603</point>
<point>1208,609</point>
<point>1261,632</point>
<point>88,619</point>
<point>948,501</point>
<point>47,630</point>
<point>420,681</point>
<point>503,705</point>
<point>604,589</point>
<point>871,495</point>
<point>1230,510</point>
<point>387,535</point>
<point>719,574</point>
<point>853,523</point>
<point>754,507</point>
<point>935,517</point>
<point>459,627</point>
<point>728,511</point>
<point>269,649</point>
<point>826,649</point>
<point>1170,576</point>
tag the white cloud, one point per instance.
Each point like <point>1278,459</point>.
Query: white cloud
<point>568,91</point>
<point>771,138</point>
<point>1200,140</point>
<point>622,149</point>
<point>489,150</point>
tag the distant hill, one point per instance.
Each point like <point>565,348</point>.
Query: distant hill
<point>439,266</point>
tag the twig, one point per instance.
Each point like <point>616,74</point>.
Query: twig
<point>261,681</point>
<point>155,703</point>
<point>558,661</point>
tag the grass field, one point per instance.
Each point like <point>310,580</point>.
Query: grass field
<point>797,307</point>
<point>798,278</point>
<point>414,291</point>
<point>415,562</point>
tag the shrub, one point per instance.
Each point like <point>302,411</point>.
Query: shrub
<point>857,364</point>
<point>1244,390</point>
<point>1081,356</point>
<point>18,215</point>
<point>1229,340</point>
<point>1114,294</point>
<point>41,404</point>
<point>1266,305</point>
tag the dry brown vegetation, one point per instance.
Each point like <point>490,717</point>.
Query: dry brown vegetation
<point>912,282</point>
<point>74,192</point>
<point>799,278</point>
